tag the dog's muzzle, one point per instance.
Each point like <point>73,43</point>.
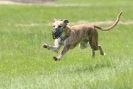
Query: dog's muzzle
<point>56,33</point>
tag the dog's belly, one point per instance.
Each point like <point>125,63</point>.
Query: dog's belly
<point>75,38</point>
<point>72,42</point>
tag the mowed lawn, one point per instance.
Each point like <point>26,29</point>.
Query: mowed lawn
<point>24,64</point>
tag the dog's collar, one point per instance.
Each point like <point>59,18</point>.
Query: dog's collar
<point>64,27</point>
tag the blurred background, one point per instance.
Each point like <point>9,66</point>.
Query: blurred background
<point>27,1</point>
<point>26,24</point>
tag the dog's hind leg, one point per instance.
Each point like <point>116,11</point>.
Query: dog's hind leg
<point>101,50</point>
<point>93,53</point>
<point>93,41</point>
<point>95,47</point>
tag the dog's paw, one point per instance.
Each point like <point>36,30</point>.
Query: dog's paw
<point>56,59</point>
<point>104,54</point>
<point>45,46</point>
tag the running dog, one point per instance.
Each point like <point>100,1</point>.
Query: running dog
<point>78,34</point>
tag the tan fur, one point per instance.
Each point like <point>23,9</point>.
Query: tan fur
<point>83,33</point>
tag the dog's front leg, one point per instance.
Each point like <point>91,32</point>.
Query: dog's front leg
<point>55,47</point>
<point>65,49</point>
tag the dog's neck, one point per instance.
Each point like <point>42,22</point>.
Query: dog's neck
<point>67,30</point>
<point>67,27</point>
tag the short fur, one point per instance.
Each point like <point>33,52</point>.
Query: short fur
<point>82,33</point>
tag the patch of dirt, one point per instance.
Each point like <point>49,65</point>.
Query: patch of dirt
<point>6,2</point>
<point>24,1</point>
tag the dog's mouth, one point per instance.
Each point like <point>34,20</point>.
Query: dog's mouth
<point>56,33</point>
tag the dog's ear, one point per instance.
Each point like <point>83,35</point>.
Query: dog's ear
<point>66,21</point>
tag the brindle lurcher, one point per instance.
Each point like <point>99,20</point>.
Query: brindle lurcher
<point>82,33</point>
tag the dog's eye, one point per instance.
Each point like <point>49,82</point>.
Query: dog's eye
<point>59,26</point>
<point>53,26</point>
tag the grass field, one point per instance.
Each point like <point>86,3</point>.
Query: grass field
<point>24,64</point>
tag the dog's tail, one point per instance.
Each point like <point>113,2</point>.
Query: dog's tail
<point>112,26</point>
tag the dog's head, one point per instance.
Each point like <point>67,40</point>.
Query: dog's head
<point>58,28</point>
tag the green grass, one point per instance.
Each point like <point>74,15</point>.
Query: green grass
<point>24,64</point>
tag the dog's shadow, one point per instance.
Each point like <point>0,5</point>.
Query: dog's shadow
<point>84,68</point>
